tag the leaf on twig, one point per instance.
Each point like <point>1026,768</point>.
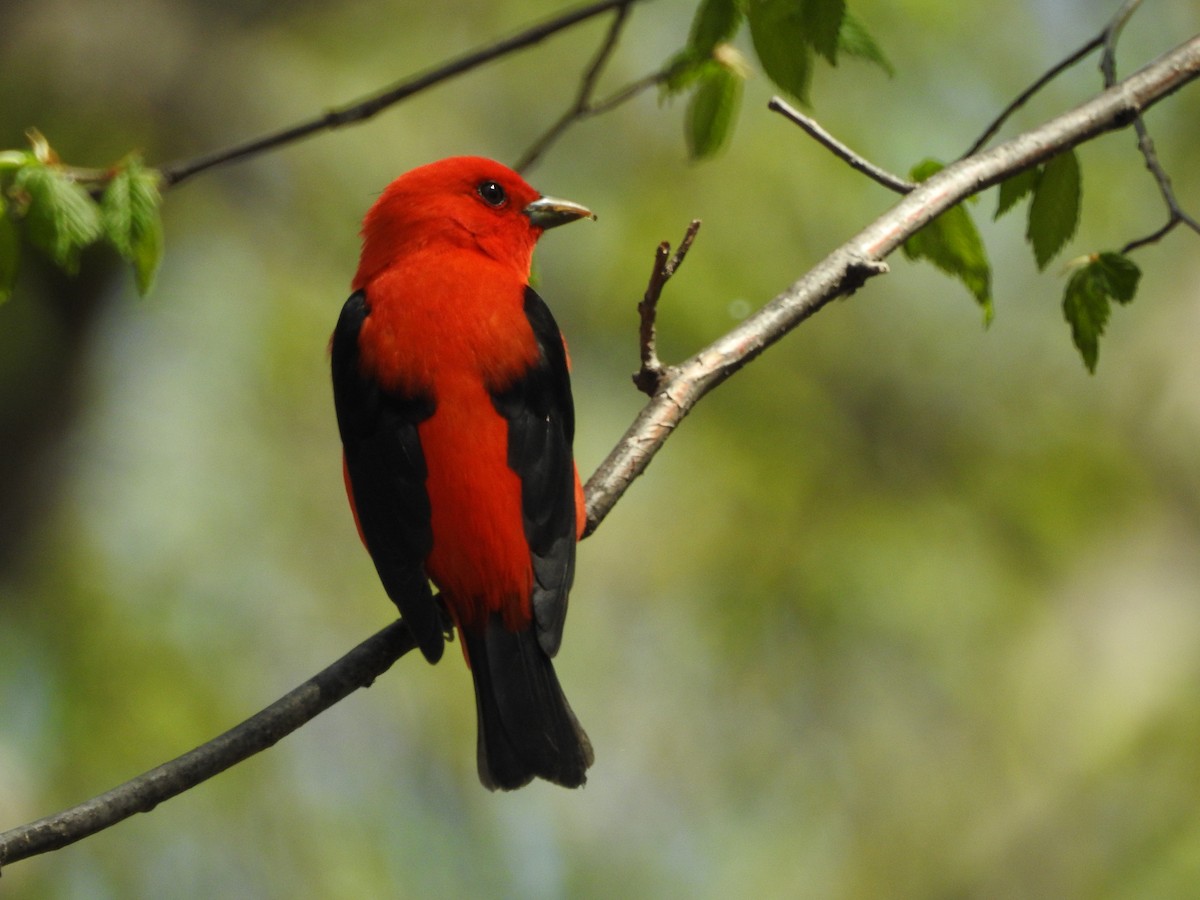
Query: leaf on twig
<point>1014,189</point>
<point>1087,300</point>
<point>1054,209</point>
<point>782,39</point>
<point>711,111</point>
<point>131,219</point>
<point>854,40</point>
<point>716,22</point>
<point>952,243</point>
<point>60,217</point>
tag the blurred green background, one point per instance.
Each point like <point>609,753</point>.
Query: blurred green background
<point>907,608</point>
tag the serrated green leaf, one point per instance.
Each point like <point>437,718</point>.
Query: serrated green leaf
<point>60,218</point>
<point>1054,209</point>
<point>783,44</point>
<point>854,40</point>
<point>823,26</point>
<point>10,252</point>
<point>1121,275</point>
<point>711,110</point>
<point>952,243</point>
<point>716,21</point>
<point>1086,308</point>
<point>1014,189</point>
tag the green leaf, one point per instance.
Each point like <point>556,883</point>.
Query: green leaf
<point>854,40</point>
<point>952,243</point>
<point>60,216</point>
<point>14,159</point>
<point>823,26</point>
<point>1015,188</point>
<point>131,219</point>
<point>685,70</point>
<point>716,21</point>
<point>1087,299</point>
<point>782,41</point>
<point>711,110</point>
<point>147,254</point>
<point>925,170</point>
<point>1121,275</point>
<point>1086,308</point>
<point>10,252</point>
<point>1054,209</point>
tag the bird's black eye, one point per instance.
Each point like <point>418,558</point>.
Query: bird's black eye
<point>492,193</point>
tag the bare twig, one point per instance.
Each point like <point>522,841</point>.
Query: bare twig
<point>584,106</point>
<point>651,374</point>
<point>364,109</point>
<point>587,87</point>
<point>841,272</point>
<point>1108,68</point>
<point>358,668</point>
<point>1026,95</point>
<point>838,149</point>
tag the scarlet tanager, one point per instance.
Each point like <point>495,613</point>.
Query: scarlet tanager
<point>453,398</point>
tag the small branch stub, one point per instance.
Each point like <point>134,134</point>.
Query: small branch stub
<point>650,376</point>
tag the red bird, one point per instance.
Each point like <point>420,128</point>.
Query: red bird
<point>453,398</point>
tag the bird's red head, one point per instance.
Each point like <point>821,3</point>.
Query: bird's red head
<point>465,201</point>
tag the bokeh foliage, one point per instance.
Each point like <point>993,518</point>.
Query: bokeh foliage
<point>906,608</point>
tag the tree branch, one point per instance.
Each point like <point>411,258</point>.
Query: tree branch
<point>1108,69</point>
<point>358,668</point>
<point>840,273</point>
<point>847,267</point>
<point>651,373</point>
<point>837,148</point>
<point>361,110</point>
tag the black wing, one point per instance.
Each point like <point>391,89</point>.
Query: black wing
<point>541,429</point>
<point>387,476</point>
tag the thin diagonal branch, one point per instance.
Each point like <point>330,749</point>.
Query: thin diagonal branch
<point>1026,95</point>
<point>364,109</point>
<point>357,669</point>
<point>584,106</point>
<point>840,150</point>
<point>1108,69</point>
<point>587,87</point>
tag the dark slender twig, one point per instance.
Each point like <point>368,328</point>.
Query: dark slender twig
<point>587,86</point>
<point>364,109</point>
<point>1108,69</point>
<point>584,106</point>
<point>1026,95</point>
<point>357,669</point>
<point>652,372</point>
<point>838,149</point>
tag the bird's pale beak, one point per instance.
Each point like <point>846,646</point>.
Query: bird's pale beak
<point>550,212</point>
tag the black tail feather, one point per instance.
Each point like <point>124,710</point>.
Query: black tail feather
<point>526,727</point>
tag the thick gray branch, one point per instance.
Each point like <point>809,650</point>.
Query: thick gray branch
<point>863,255</point>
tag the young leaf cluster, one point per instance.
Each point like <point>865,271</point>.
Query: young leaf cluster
<point>54,208</point>
<point>787,35</point>
<point>1087,300</point>
<point>1055,191</point>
